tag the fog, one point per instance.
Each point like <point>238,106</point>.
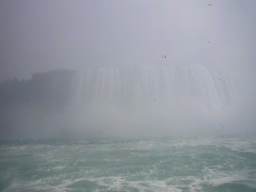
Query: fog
<point>150,101</point>
<point>144,68</point>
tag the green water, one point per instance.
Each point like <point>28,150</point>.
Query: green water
<point>226,163</point>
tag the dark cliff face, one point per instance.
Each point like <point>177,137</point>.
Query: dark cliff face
<point>25,103</point>
<point>51,90</point>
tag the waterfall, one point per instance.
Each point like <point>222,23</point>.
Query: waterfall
<point>151,84</point>
<point>144,95</point>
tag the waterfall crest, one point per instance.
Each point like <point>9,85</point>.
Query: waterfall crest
<point>147,85</point>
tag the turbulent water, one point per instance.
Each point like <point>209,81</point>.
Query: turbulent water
<point>224,163</point>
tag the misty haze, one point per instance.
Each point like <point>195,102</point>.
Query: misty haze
<point>127,96</point>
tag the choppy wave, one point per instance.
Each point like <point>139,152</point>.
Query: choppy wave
<point>169,164</point>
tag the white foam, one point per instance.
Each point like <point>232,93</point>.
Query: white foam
<point>122,183</point>
<point>55,159</point>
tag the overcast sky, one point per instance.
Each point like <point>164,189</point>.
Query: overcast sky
<point>38,36</point>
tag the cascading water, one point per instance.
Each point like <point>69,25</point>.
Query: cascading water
<point>147,96</point>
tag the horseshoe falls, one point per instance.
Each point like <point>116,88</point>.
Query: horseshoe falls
<point>154,101</point>
<point>140,129</point>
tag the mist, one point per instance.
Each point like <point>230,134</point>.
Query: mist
<point>151,101</point>
<point>139,69</point>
